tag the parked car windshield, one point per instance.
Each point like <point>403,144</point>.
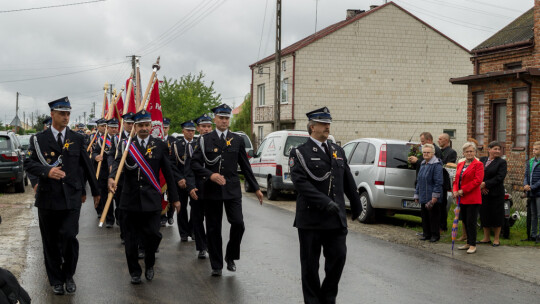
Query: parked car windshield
<point>25,141</point>
<point>246,141</point>
<point>396,156</point>
<point>293,142</point>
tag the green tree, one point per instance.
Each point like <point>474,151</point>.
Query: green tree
<point>242,121</point>
<point>39,123</point>
<point>187,98</point>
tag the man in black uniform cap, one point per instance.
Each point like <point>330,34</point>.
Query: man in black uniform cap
<point>179,152</point>
<point>168,216</point>
<point>321,176</point>
<point>58,158</point>
<point>141,195</point>
<point>104,170</point>
<point>216,161</point>
<point>195,188</point>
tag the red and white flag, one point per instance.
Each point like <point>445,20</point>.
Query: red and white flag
<point>106,108</point>
<point>131,106</point>
<point>154,107</point>
<point>120,108</point>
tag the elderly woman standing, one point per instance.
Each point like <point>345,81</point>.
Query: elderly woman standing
<point>492,209</point>
<point>429,186</point>
<point>469,177</point>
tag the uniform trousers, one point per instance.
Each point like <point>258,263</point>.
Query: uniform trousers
<point>213,211</point>
<point>118,211</point>
<point>334,249</point>
<point>184,225</point>
<point>104,192</point>
<point>59,229</point>
<point>144,226</point>
<point>197,222</point>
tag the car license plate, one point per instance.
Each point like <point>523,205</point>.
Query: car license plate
<point>285,176</point>
<point>411,204</point>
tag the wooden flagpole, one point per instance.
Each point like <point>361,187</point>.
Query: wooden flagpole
<point>109,116</point>
<point>144,105</point>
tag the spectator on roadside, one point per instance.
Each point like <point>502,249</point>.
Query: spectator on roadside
<point>492,209</point>
<point>532,186</point>
<point>463,236</point>
<point>425,138</point>
<point>448,155</point>
<point>428,192</point>
<point>469,176</point>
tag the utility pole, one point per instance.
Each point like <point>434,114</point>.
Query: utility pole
<point>277,93</point>
<point>84,115</point>
<point>136,78</point>
<point>32,119</point>
<point>93,110</point>
<point>24,119</point>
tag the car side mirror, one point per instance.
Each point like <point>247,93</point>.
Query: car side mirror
<point>251,153</point>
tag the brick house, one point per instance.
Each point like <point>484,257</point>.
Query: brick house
<point>382,73</point>
<point>503,101</point>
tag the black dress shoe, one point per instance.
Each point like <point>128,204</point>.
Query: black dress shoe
<point>58,289</point>
<point>122,241</point>
<point>149,273</point>
<point>171,221</point>
<point>184,239</point>
<point>99,215</point>
<point>109,225</point>
<point>216,272</point>
<point>230,265</point>
<point>163,223</point>
<point>424,238</point>
<point>136,280</point>
<point>141,254</point>
<point>202,254</point>
<point>434,239</point>
<point>70,286</point>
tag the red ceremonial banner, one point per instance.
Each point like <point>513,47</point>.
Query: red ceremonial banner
<point>120,107</point>
<point>154,107</point>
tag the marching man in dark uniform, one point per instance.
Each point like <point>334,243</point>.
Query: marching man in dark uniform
<point>104,170</point>
<point>321,176</point>
<point>216,161</point>
<point>127,120</point>
<point>141,195</point>
<point>58,158</point>
<point>195,188</point>
<point>179,152</point>
<point>168,217</point>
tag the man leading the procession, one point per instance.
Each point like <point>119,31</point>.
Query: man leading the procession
<point>179,151</point>
<point>216,161</point>
<point>104,170</point>
<point>141,195</point>
<point>127,120</point>
<point>58,158</point>
<point>195,188</point>
<point>168,216</point>
<point>321,177</point>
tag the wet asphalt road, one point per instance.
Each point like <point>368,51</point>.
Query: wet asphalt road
<point>269,271</point>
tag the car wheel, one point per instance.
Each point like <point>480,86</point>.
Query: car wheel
<point>247,186</point>
<point>19,187</point>
<point>368,213</point>
<point>271,193</point>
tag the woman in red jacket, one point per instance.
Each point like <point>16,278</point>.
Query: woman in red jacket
<point>469,176</point>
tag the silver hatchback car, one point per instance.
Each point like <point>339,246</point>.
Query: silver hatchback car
<point>385,181</point>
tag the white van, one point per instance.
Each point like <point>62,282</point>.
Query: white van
<point>270,164</point>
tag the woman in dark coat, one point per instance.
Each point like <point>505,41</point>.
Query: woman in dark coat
<point>492,209</point>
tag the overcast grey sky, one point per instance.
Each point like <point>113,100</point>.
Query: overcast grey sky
<point>90,42</point>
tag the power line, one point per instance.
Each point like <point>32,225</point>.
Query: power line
<point>497,6</point>
<point>63,74</point>
<point>262,31</point>
<point>469,9</point>
<point>51,6</point>
<point>213,8</point>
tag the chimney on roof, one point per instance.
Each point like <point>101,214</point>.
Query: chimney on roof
<point>351,13</point>
<point>373,6</point>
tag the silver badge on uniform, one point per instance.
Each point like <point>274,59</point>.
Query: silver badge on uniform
<point>314,149</point>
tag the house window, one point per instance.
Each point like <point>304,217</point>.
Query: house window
<point>260,134</point>
<point>513,65</point>
<point>479,117</point>
<point>284,65</point>
<point>450,132</point>
<point>260,95</point>
<point>499,121</point>
<point>284,90</point>
<point>521,99</point>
